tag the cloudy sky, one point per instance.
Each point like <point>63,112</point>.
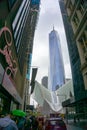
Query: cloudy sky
<point>49,16</point>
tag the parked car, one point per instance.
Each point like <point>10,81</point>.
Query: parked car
<point>55,124</point>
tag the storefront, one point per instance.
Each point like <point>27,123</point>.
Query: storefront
<point>5,101</point>
<point>9,97</point>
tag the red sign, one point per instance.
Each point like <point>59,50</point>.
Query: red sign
<point>12,65</point>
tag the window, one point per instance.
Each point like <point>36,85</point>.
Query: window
<point>70,6</point>
<point>19,22</point>
<point>75,20</point>
<point>82,6</point>
<point>83,42</point>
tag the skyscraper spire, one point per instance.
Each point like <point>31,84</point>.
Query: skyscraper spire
<point>53,27</point>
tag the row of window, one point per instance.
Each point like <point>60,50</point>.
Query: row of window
<point>80,9</point>
<point>19,22</point>
<point>83,41</point>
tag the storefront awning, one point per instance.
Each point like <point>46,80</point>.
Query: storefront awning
<point>69,102</point>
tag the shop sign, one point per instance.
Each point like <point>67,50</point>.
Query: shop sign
<point>6,51</point>
<point>9,85</point>
<point>1,73</point>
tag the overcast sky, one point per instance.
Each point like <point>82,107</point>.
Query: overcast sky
<point>49,16</point>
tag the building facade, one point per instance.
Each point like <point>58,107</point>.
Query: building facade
<point>44,81</point>
<point>78,20</point>
<point>33,18</point>
<point>56,76</point>
<point>74,14</point>
<point>17,26</point>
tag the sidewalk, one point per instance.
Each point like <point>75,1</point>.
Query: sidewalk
<point>81,124</point>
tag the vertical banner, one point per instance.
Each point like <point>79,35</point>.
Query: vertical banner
<point>34,72</point>
<point>29,66</point>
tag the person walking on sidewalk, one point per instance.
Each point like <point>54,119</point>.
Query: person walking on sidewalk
<point>6,123</point>
<point>40,126</point>
<point>28,124</point>
<point>20,123</point>
<point>34,124</point>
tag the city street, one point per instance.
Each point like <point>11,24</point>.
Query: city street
<point>43,64</point>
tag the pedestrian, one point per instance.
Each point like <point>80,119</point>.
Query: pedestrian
<point>27,125</point>
<point>74,119</point>
<point>34,124</point>
<point>40,125</point>
<point>20,123</point>
<point>6,123</point>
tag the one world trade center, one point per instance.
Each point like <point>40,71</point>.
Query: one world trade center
<point>56,76</point>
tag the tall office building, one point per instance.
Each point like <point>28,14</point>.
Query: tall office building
<point>56,76</point>
<point>74,15</point>
<point>17,27</point>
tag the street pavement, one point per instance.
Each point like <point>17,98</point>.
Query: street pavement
<point>71,127</point>
<point>81,125</point>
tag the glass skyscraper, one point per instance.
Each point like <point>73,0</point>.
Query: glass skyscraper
<point>56,76</point>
